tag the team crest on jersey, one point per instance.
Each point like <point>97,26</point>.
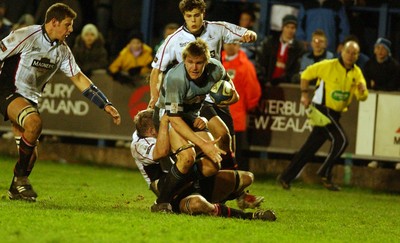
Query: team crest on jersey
<point>183,44</point>
<point>43,63</point>
<point>36,49</point>
<point>231,73</point>
<point>2,46</point>
<point>212,54</point>
<point>174,108</point>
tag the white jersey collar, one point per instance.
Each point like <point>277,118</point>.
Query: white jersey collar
<point>201,32</point>
<point>47,37</point>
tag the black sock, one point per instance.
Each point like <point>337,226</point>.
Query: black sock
<point>228,161</point>
<point>171,182</point>
<point>30,167</point>
<point>249,216</point>
<point>227,212</point>
<point>195,173</point>
<point>236,193</point>
<point>25,153</point>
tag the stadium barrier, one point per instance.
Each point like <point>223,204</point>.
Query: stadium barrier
<point>66,112</point>
<point>278,125</point>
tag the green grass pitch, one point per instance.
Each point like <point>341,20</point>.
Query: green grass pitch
<point>86,203</point>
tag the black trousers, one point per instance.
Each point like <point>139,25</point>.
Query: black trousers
<point>332,132</point>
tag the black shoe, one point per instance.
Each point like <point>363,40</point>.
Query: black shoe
<point>161,207</point>
<point>265,215</point>
<point>328,184</point>
<point>21,189</point>
<point>285,185</point>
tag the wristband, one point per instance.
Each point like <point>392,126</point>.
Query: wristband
<point>304,91</point>
<point>96,96</point>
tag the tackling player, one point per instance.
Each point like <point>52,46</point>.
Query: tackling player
<point>215,34</point>
<point>148,147</point>
<point>29,57</point>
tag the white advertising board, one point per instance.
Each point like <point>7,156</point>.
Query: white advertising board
<point>387,131</point>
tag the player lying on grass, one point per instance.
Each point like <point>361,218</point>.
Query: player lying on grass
<point>195,196</point>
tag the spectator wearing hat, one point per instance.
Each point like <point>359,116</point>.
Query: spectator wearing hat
<point>133,62</point>
<point>279,57</point>
<point>89,50</point>
<point>382,71</point>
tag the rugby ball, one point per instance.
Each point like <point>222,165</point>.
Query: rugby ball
<point>221,91</point>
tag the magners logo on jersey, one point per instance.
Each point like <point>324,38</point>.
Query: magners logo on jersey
<point>43,63</point>
<point>340,95</point>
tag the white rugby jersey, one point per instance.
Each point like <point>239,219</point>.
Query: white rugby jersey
<point>29,60</point>
<point>142,151</point>
<point>215,34</point>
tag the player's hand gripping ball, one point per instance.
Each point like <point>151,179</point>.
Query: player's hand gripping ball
<point>221,91</point>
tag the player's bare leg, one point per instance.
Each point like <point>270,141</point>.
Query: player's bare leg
<point>177,174</point>
<point>180,171</point>
<point>27,123</point>
<point>18,131</point>
<point>196,204</point>
<point>231,184</point>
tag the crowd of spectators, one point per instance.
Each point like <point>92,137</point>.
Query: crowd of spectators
<point>112,30</point>
<point>109,39</point>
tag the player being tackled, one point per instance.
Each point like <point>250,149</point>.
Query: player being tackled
<point>197,194</point>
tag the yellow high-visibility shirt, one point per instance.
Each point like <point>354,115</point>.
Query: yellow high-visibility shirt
<point>335,86</point>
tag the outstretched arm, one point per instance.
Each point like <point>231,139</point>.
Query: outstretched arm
<point>249,36</point>
<point>90,91</point>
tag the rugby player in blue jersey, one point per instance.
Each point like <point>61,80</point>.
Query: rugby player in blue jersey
<point>182,95</point>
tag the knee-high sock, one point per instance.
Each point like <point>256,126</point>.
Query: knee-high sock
<point>238,184</point>
<point>224,211</point>
<point>172,182</point>
<point>228,161</point>
<point>25,153</point>
<point>30,167</point>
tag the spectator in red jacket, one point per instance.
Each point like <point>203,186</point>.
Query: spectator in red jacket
<point>243,74</point>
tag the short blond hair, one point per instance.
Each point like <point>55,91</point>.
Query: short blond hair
<point>143,122</point>
<point>197,48</point>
